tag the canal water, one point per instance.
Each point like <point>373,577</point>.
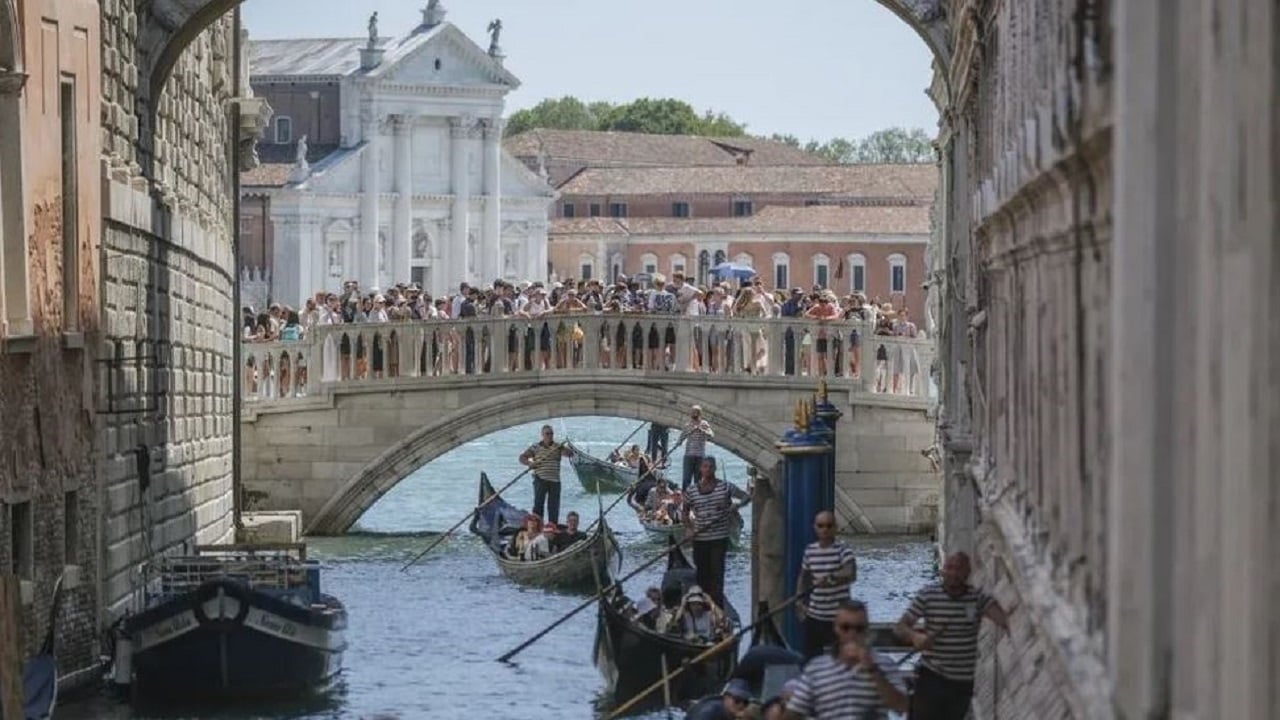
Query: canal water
<point>422,644</point>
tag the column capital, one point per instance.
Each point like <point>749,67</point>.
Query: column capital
<point>493,128</point>
<point>401,124</point>
<point>11,81</point>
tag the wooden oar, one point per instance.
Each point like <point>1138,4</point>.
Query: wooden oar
<point>706,654</point>
<point>496,494</point>
<point>588,603</point>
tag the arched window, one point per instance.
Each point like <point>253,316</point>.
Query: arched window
<point>586,266</point>
<point>337,239</point>
<point>13,231</point>
<point>284,130</point>
<point>704,266</point>
<point>898,273</point>
<point>781,271</point>
<point>822,270</point>
<point>678,264</point>
<point>720,257</point>
<point>615,266</point>
<point>858,273</point>
<point>649,263</point>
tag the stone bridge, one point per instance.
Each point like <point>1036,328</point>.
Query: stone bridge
<point>336,420</point>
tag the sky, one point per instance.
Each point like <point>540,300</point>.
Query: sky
<point>820,69</point>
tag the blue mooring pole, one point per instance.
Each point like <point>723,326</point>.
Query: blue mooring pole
<point>807,481</point>
<point>829,414</point>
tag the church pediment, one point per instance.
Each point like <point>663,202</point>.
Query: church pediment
<point>441,55</point>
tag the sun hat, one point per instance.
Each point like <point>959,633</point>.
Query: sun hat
<point>738,688</point>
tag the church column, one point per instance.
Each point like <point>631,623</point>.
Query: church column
<point>490,265</point>
<point>313,257</point>
<point>366,255</point>
<point>288,263</point>
<point>401,245</point>
<point>459,247</point>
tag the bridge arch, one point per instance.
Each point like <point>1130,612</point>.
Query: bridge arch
<point>739,434</point>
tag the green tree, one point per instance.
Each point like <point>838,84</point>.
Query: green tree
<point>894,145</point>
<point>566,113</point>
<point>666,116</point>
<point>715,124</point>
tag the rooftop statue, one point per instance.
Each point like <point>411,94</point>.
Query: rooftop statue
<point>373,29</point>
<point>495,30</point>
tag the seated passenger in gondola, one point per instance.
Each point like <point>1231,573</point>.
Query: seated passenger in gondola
<point>532,530</point>
<point>569,535</point>
<point>698,619</point>
<point>645,612</point>
<point>543,546</point>
<point>633,457</point>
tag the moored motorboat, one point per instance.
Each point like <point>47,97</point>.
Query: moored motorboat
<point>40,673</point>
<point>633,657</point>
<point>232,621</point>
<point>578,566</point>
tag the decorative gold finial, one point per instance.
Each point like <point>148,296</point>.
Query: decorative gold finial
<point>813,407</point>
<point>822,389</point>
<point>805,417</point>
<point>797,418</point>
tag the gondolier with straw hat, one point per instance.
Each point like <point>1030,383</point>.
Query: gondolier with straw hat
<point>543,457</point>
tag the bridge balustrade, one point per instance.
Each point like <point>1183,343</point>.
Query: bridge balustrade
<point>331,355</point>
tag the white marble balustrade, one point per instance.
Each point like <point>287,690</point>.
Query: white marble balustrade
<point>642,344</point>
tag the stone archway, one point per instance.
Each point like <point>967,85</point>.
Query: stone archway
<point>746,439</point>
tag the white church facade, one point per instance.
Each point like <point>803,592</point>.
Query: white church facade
<point>384,164</point>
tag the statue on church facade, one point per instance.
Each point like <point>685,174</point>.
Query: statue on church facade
<point>300,158</point>
<point>495,30</point>
<point>373,29</point>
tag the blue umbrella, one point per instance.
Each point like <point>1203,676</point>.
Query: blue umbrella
<point>733,270</point>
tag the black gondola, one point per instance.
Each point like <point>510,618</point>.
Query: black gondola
<point>40,674</point>
<point>233,622</point>
<point>577,566</point>
<point>633,657</point>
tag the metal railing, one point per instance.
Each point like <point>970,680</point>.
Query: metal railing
<point>846,354</point>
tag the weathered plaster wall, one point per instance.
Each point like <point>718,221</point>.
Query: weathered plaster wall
<point>168,277</point>
<point>47,369</point>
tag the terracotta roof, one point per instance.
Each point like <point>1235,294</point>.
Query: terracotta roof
<point>589,147</point>
<point>915,181</point>
<point>774,219</point>
<point>276,162</point>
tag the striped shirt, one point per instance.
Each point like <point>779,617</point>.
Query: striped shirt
<point>819,562</point>
<point>830,690</point>
<point>710,510</point>
<point>953,623</point>
<point>695,439</point>
<point>546,461</point>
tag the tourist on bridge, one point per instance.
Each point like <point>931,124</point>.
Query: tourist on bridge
<point>696,434</point>
<point>951,612</point>
<point>828,568</point>
<point>707,509</point>
<point>544,458</point>
<point>851,681</point>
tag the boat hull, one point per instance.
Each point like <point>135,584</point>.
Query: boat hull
<point>579,566</point>
<point>225,640</point>
<point>675,531</point>
<point>575,567</point>
<point>630,658</point>
<point>599,476</point>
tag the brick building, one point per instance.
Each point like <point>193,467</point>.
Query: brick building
<point>846,227</point>
<point>49,202</point>
<point>879,251</point>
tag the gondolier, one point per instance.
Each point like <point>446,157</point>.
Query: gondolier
<point>545,461</point>
<point>952,611</point>
<point>828,568</point>
<point>708,508</point>
<point>696,434</point>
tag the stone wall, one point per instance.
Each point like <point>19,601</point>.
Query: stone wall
<point>1024,354</point>
<point>48,497</point>
<point>168,312</point>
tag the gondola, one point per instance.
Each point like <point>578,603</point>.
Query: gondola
<point>232,622</point>
<point>602,476</point>
<point>675,530</point>
<point>766,667</point>
<point>575,567</point>
<point>40,674</point>
<point>630,655</point>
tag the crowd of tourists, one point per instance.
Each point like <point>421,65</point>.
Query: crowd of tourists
<point>554,339</point>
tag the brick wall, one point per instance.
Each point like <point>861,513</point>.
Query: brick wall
<point>701,205</point>
<point>47,389</point>
<point>318,117</point>
<point>168,277</point>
